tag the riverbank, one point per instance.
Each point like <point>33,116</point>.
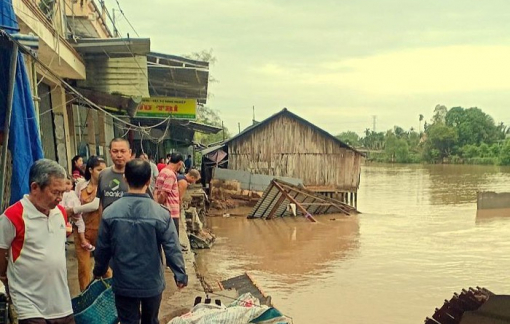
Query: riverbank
<point>175,302</point>
<point>381,157</point>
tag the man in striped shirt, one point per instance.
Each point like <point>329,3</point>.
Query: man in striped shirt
<point>166,191</point>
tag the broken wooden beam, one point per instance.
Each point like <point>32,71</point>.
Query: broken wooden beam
<point>279,195</point>
<point>298,205</point>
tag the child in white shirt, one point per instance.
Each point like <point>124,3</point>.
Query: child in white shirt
<point>70,200</point>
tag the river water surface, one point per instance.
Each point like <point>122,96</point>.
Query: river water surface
<point>417,241</point>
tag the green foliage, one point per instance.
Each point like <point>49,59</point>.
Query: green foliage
<point>473,126</point>
<point>470,151</point>
<point>440,113</point>
<point>484,150</point>
<point>440,142</point>
<point>483,161</point>
<point>457,135</point>
<point>505,153</point>
<point>373,140</point>
<point>495,149</point>
<point>208,116</point>
<point>350,138</point>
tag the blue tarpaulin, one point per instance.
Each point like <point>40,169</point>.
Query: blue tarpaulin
<point>24,141</point>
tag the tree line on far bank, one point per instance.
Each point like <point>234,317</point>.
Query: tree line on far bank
<point>456,135</point>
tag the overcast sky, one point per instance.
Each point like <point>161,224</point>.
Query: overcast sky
<point>338,63</point>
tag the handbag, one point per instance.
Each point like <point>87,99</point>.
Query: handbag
<point>96,304</point>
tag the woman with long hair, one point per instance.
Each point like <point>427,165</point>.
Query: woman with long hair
<point>86,191</point>
<point>77,167</point>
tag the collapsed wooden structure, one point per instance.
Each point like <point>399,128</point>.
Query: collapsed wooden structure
<point>286,145</point>
<point>462,308</point>
<point>281,198</point>
<point>246,284</point>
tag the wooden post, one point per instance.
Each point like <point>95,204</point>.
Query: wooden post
<point>356,200</point>
<point>352,199</point>
<point>345,209</point>
<point>305,212</point>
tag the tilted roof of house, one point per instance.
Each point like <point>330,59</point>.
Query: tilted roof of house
<point>286,112</point>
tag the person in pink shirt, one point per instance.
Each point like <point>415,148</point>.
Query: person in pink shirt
<point>166,191</point>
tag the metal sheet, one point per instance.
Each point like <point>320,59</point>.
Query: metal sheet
<point>313,203</point>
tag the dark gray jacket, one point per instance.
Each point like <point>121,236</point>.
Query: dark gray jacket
<point>133,229</point>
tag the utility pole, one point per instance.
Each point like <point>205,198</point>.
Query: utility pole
<point>115,31</point>
<point>374,123</point>
<point>253,120</point>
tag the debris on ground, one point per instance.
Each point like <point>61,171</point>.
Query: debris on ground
<point>282,199</point>
<point>195,209</point>
<point>245,309</point>
<point>245,283</point>
<point>471,306</point>
<point>227,194</point>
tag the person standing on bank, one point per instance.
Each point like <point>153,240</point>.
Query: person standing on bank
<point>166,191</point>
<point>33,237</point>
<point>132,232</point>
<point>154,171</point>
<point>111,184</point>
<point>187,164</point>
<point>87,191</point>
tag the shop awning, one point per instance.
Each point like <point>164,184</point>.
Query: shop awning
<point>187,124</point>
<point>175,76</point>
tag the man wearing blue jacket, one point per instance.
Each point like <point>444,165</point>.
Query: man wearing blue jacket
<point>133,229</point>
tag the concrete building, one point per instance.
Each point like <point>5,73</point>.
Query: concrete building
<point>78,42</point>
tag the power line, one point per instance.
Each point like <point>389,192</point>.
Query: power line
<point>79,96</point>
<point>122,13</point>
<point>144,71</point>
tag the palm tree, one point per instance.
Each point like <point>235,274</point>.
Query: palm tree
<point>421,119</point>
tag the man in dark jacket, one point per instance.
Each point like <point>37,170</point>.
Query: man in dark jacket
<point>133,229</point>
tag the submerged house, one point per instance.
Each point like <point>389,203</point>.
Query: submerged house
<point>287,145</point>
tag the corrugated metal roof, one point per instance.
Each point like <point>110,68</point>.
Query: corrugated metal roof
<point>112,47</point>
<point>285,111</point>
<point>279,194</point>
<point>208,150</point>
<point>175,76</point>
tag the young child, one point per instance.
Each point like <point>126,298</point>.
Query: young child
<point>70,200</point>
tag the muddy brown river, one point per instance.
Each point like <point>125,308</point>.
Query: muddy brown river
<point>417,242</point>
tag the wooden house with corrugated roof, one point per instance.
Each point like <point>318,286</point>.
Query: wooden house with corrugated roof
<point>287,145</point>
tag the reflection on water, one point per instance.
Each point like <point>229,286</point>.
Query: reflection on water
<point>288,247</point>
<point>417,241</point>
<point>489,215</point>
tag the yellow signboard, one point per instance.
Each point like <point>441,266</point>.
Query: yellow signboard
<point>162,107</point>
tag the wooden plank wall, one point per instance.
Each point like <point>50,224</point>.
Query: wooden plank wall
<point>287,147</point>
<point>117,74</point>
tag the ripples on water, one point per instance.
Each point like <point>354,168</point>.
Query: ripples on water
<point>417,241</point>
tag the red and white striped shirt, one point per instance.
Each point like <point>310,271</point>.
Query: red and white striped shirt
<point>167,182</point>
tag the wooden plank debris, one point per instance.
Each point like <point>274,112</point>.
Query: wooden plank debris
<point>279,196</point>
<point>465,305</point>
<point>246,283</point>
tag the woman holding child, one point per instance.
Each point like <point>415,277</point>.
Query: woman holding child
<point>86,192</point>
